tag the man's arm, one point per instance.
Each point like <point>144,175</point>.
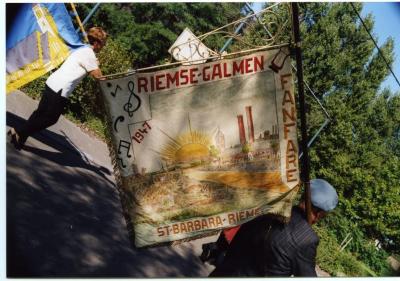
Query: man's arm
<point>96,73</point>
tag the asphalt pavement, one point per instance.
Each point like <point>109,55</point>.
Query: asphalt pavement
<point>64,216</point>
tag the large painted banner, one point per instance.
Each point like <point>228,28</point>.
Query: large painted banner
<point>39,38</point>
<point>204,147</point>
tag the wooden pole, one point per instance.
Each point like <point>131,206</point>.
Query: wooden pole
<point>79,23</point>
<point>305,171</point>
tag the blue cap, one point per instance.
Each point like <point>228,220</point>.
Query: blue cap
<point>323,195</point>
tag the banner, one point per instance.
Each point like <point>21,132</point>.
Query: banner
<point>204,147</point>
<point>39,38</point>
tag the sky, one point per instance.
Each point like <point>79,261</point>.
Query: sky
<point>387,23</point>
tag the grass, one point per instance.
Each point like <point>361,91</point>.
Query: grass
<point>343,263</point>
<point>336,262</point>
<point>93,126</point>
<point>367,269</point>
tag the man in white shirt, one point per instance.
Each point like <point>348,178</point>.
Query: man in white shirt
<point>59,87</point>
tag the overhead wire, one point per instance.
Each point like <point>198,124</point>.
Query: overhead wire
<point>376,45</point>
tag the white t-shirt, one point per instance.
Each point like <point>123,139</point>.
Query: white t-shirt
<point>72,71</point>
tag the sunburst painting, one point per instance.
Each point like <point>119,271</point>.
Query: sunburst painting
<point>187,148</point>
<point>204,157</point>
<point>198,157</point>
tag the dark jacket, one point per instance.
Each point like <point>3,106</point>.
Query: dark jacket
<point>266,247</point>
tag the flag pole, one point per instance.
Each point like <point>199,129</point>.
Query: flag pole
<point>79,23</point>
<point>305,171</point>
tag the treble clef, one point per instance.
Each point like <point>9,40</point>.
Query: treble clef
<point>128,107</point>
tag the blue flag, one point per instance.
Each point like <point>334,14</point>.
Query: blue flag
<point>40,37</point>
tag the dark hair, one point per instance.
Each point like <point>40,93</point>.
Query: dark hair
<point>316,209</point>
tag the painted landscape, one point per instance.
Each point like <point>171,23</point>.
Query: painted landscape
<point>202,176</point>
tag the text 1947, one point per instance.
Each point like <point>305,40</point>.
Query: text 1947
<point>139,134</point>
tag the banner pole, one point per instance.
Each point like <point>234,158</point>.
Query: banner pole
<point>305,172</point>
<point>79,23</point>
<point>91,13</point>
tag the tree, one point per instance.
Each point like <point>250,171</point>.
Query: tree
<point>359,151</point>
<point>149,29</point>
<point>140,35</point>
<point>355,153</point>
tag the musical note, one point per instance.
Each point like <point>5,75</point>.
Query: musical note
<point>278,61</point>
<point>128,106</point>
<point>109,85</point>
<point>118,119</point>
<point>122,162</point>
<point>124,144</point>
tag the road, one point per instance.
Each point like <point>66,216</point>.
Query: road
<point>64,217</point>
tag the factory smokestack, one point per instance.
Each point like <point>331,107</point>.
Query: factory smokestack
<point>242,133</point>
<point>250,126</point>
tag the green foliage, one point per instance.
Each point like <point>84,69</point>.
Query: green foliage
<point>140,35</point>
<point>339,226</point>
<point>86,102</point>
<point>149,29</point>
<point>34,89</point>
<point>375,259</point>
<point>358,152</point>
<point>334,261</point>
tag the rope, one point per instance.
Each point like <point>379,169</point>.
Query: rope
<point>376,45</point>
<point>239,20</point>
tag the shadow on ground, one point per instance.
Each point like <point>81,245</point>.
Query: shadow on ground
<point>64,219</point>
<point>65,150</point>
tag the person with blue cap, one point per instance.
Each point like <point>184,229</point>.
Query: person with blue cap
<point>268,247</point>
